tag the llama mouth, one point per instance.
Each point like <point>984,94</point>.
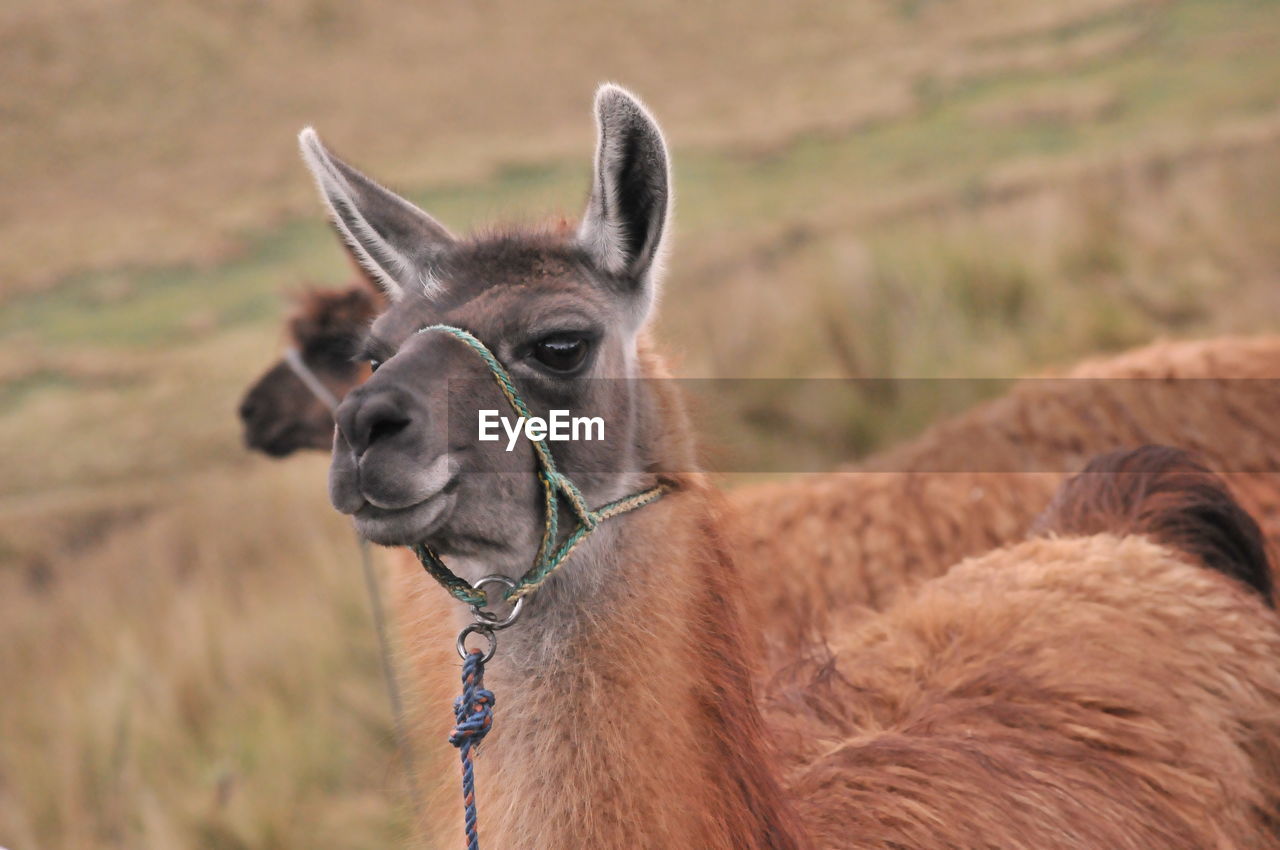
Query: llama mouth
<point>282,446</point>
<point>403,526</point>
<point>272,449</point>
<point>284,442</point>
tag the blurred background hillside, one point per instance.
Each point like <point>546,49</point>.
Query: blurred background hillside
<point>881,188</point>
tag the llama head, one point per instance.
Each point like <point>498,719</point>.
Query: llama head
<point>562,311</point>
<point>279,412</point>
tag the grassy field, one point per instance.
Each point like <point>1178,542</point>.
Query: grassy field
<point>908,188</point>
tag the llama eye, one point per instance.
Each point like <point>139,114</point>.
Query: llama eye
<point>374,363</point>
<point>560,352</point>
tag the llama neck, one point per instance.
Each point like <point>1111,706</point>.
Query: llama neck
<point>625,715</point>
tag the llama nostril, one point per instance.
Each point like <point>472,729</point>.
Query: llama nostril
<point>247,408</point>
<point>385,428</point>
<point>364,419</point>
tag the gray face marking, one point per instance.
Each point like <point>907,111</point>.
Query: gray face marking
<point>407,462</point>
<point>413,469</point>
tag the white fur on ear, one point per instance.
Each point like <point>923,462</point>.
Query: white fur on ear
<point>352,199</point>
<point>626,216</point>
<point>331,187</point>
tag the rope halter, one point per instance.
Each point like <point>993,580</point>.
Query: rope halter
<point>473,710</point>
<point>310,380</point>
<point>556,489</point>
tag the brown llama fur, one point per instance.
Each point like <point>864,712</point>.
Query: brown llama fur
<point>853,542</point>
<point>1068,691</point>
<point>1165,494</point>
<point>321,312</point>
<point>534,777</point>
<point>1107,690</point>
<point>862,535</point>
<point>1064,692</point>
<point>856,540</point>
<point>1031,697</point>
<point>280,412</point>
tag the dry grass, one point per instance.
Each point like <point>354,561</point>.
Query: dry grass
<point>158,133</point>
<point>899,189</point>
<point>127,662</point>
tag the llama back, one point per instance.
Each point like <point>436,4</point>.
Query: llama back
<point>861,538</point>
<point>1167,495</point>
<point>1101,685</point>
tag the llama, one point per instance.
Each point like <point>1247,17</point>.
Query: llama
<point>289,408</point>
<point>1077,689</point>
<point>627,710</point>
<point>868,533</point>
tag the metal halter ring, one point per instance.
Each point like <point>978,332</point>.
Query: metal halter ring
<point>477,629</point>
<point>491,621</point>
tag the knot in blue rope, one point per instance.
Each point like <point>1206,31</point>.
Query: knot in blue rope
<point>474,709</point>
<point>474,713</point>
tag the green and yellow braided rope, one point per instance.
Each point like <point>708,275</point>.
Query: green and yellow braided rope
<point>555,486</point>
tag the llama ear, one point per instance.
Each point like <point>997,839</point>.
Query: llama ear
<point>393,239</point>
<point>626,216</point>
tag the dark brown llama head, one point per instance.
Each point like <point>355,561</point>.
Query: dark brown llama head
<point>563,313</point>
<point>284,411</point>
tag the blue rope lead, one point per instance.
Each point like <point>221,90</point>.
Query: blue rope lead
<point>474,713</point>
<point>474,709</point>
